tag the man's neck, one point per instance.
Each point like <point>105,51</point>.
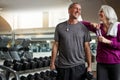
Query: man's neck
<point>72,21</point>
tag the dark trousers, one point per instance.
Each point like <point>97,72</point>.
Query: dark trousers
<point>73,73</point>
<point>108,71</point>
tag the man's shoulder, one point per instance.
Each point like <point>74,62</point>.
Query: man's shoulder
<point>62,24</point>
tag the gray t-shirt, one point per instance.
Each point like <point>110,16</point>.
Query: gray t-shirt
<point>71,39</point>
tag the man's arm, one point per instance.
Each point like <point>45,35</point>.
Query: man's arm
<point>88,56</point>
<point>54,55</point>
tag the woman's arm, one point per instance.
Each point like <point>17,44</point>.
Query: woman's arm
<point>91,26</point>
<point>112,43</point>
<point>116,44</point>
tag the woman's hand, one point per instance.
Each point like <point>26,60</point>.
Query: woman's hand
<point>95,25</point>
<point>104,40</point>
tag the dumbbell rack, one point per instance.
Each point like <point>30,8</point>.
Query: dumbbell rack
<point>33,70</point>
<point>17,74</point>
<point>4,70</point>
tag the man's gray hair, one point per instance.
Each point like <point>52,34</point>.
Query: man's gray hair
<point>71,5</point>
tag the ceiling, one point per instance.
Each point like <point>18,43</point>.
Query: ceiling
<point>31,4</point>
<point>90,8</point>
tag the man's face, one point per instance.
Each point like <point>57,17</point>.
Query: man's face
<point>75,11</point>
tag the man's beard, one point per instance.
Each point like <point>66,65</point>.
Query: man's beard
<point>74,17</point>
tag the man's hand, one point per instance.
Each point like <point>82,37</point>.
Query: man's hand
<point>52,66</point>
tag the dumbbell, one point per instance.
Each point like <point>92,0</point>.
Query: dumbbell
<point>47,72</point>
<point>53,78</point>
<point>89,75</point>
<point>17,65</point>
<point>23,78</point>
<point>47,78</point>
<point>39,63</point>
<point>37,76</point>
<point>48,60</point>
<point>8,63</point>
<point>32,63</point>
<point>53,73</point>
<point>25,64</point>
<point>31,77</point>
<point>42,74</point>
<point>45,62</point>
<point>49,75</point>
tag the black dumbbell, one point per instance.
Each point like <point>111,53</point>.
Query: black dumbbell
<point>32,63</point>
<point>48,60</point>
<point>47,72</point>
<point>47,78</point>
<point>39,63</point>
<point>45,61</point>
<point>23,78</point>
<point>89,75</point>
<point>31,77</point>
<point>37,76</point>
<point>44,76</point>
<point>53,73</point>
<point>17,65</point>
<point>25,64</point>
<point>8,63</point>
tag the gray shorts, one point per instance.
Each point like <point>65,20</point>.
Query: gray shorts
<point>73,73</point>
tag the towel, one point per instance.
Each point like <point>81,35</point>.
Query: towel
<point>112,31</point>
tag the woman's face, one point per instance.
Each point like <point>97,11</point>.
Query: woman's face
<point>102,16</point>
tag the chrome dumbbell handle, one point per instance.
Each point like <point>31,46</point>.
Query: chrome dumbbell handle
<point>9,70</point>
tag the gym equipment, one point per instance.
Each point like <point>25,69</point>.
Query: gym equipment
<point>25,64</point>
<point>89,75</point>
<point>37,76</point>
<point>6,71</point>
<point>17,65</point>
<point>23,78</point>
<point>31,77</point>
<point>8,63</point>
<point>4,50</point>
<point>39,62</point>
<point>45,60</point>
<point>32,63</point>
<point>53,73</point>
<point>22,47</point>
